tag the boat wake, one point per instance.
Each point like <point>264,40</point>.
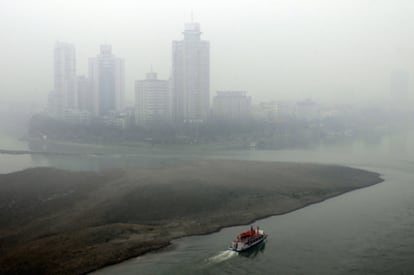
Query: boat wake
<point>222,256</point>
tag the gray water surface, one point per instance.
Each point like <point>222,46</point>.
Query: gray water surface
<point>366,231</point>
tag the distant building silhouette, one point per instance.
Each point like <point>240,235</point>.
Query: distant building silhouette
<point>190,76</point>
<point>85,99</point>
<point>307,110</point>
<point>399,87</point>
<point>151,99</point>
<point>265,110</point>
<point>106,73</point>
<point>64,95</point>
<point>231,105</point>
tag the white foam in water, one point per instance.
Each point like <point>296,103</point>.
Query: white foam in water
<point>222,256</point>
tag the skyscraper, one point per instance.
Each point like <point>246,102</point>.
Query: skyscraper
<point>151,99</point>
<point>63,95</point>
<point>190,76</point>
<point>106,73</point>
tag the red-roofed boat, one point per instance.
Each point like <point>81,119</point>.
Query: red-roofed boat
<point>248,239</point>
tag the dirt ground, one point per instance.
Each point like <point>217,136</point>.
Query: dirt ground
<point>60,222</point>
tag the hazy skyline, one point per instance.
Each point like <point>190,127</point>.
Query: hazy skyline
<point>327,50</point>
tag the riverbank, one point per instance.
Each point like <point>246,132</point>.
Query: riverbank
<point>28,152</point>
<point>56,221</point>
<point>51,145</point>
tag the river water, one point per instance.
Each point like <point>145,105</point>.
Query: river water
<point>367,231</point>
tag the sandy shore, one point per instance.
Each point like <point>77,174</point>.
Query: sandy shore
<point>60,222</point>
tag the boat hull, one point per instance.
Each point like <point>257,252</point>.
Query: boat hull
<point>245,246</point>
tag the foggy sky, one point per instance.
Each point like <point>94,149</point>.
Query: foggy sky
<point>329,50</point>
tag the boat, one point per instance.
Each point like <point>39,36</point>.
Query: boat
<point>248,239</point>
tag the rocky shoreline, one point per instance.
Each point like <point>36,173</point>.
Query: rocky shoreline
<point>56,221</point>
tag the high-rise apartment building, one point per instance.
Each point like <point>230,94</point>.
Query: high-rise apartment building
<point>231,105</point>
<point>106,73</point>
<point>190,76</point>
<point>151,99</point>
<point>64,95</point>
<point>85,99</point>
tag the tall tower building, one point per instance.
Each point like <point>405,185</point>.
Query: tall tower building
<point>106,73</point>
<point>151,99</point>
<point>190,76</point>
<point>64,94</point>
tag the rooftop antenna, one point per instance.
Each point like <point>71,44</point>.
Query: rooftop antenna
<point>151,69</point>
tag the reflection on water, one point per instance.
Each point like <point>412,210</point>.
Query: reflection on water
<point>254,251</point>
<point>12,163</point>
<point>390,148</point>
<point>12,142</point>
<point>368,231</point>
<point>393,148</point>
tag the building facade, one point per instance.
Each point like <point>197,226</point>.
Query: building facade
<point>231,105</point>
<point>106,74</point>
<point>151,99</point>
<point>64,95</point>
<point>85,99</point>
<point>190,76</point>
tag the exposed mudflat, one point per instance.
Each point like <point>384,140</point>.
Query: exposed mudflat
<point>61,222</point>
